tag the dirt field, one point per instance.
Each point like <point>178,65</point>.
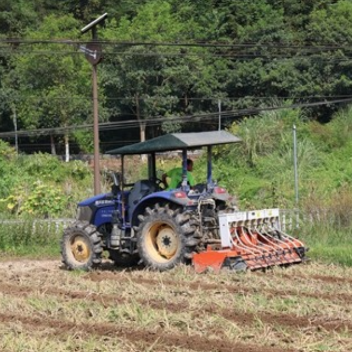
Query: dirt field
<point>301,308</point>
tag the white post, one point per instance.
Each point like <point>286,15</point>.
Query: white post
<point>295,167</point>
<point>219,106</point>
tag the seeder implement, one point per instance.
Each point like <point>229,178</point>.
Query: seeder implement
<point>250,240</point>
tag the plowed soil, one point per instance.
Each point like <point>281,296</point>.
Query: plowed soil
<point>44,307</point>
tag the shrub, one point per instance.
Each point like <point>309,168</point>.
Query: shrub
<point>40,199</point>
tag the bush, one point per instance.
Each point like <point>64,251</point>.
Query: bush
<point>41,184</point>
<point>41,199</point>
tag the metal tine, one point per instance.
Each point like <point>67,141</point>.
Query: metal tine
<point>293,245</point>
<point>261,254</point>
<point>254,251</point>
<point>251,262</point>
<point>270,238</point>
<point>273,247</point>
<point>262,248</point>
<point>274,241</point>
<point>288,243</point>
<point>291,238</point>
<point>275,238</point>
<point>260,221</point>
<point>278,257</point>
<point>266,250</point>
<point>264,235</point>
<point>245,233</point>
<point>274,251</point>
<point>242,245</point>
<point>278,248</point>
<point>260,234</point>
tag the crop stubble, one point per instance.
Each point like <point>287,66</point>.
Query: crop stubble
<point>302,308</point>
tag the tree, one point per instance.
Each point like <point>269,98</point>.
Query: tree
<point>53,80</point>
<point>158,80</point>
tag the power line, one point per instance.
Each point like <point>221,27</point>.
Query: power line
<point>181,119</point>
<point>212,98</point>
<point>196,44</point>
<point>238,56</point>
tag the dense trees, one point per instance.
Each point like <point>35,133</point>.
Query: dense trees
<point>242,53</point>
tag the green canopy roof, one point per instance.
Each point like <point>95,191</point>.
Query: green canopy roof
<point>177,141</point>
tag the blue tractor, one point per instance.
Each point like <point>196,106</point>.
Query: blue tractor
<point>143,222</point>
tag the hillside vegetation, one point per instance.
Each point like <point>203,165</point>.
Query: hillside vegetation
<point>168,66</point>
<point>259,170</point>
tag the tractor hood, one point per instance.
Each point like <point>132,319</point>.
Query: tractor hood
<point>104,198</point>
<point>177,141</point>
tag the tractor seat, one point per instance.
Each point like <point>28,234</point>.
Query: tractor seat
<point>140,189</point>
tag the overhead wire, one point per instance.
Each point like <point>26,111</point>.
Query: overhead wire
<point>158,120</point>
<point>243,49</point>
<point>197,44</point>
<point>238,56</point>
<point>309,51</point>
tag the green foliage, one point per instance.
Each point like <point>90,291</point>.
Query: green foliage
<point>6,152</point>
<point>260,170</point>
<point>281,49</point>
<point>29,237</point>
<point>48,167</point>
<point>39,199</point>
<point>40,184</point>
<point>327,240</point>
<point>340,129</point>
<point>44,84</point>
<point>7,168</point>
<point>85,140</point>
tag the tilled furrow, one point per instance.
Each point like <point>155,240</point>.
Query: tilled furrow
<point>239,317</point>
<point>232,289</point>
<point>156,338</point>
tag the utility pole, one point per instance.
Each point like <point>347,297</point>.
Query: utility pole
<point>15,126</point>
<point>93,52</point>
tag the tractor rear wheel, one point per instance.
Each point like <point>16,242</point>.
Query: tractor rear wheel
<point>165,238</point>
<point>81,246</point>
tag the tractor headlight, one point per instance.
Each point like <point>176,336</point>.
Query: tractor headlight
<point>84,213</point>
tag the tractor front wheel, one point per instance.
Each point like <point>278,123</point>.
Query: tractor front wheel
<point>81,246</point>
<point>165,238</point>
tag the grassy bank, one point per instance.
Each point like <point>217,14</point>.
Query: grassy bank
<point>329,244</point>
<point>30,238</point>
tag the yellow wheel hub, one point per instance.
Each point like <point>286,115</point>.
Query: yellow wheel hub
<point>167,242</point>
<point>162,242</point>
<point>80,249</point>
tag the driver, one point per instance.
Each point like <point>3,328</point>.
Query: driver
<point>175,176</point>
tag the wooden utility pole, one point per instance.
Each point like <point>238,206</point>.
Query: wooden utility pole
<point>93,52</point>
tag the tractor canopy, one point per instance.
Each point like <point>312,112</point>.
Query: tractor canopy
<point>177,141</point>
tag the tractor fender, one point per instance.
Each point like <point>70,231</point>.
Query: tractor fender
<point>171,197</point>
<point>221,194</point>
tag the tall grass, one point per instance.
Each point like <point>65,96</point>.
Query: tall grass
<point>327,243</point>
<point>30,237</point>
